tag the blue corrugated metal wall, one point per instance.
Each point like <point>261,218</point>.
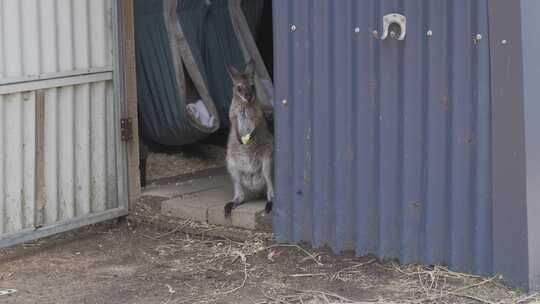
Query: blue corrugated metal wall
<point>384,146</point>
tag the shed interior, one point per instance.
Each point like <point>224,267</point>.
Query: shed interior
<point>182,48</point>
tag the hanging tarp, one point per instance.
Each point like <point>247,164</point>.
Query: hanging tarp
<point>163,90</point>
<point>246,18</point>
<point>252,13</point>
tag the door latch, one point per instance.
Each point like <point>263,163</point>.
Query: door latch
<point>126,129</point>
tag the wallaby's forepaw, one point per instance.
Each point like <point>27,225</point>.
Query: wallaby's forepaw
<point>268,207</point>
<point>228,208</point>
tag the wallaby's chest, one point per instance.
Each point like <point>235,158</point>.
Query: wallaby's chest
<point>246,120</point>
<point>249,171</point>
<point>245,161</point>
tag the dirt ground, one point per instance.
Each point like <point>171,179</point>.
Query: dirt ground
<point>137,261</point>
<point>150,258</point>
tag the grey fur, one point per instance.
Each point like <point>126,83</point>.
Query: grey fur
<point>250,165</point>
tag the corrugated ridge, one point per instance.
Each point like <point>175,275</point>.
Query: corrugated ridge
<point>386,142</point>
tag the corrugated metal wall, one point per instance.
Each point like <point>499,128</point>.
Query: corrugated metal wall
<point>384,146</point>
<point>59,51</point>
<point>41,38</point>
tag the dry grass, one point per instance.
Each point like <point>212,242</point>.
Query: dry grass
<point>394,283</point>
<point>174,266</point>
<point>419,284</point>
<point>162,165</point>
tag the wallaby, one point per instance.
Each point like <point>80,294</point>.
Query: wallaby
<point>250,143</point>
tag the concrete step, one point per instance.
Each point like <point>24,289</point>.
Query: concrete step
<point>250,215</point>
<point>195,206</point>
<point>204,200</point>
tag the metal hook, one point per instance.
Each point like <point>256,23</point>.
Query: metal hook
<point>392,20</point>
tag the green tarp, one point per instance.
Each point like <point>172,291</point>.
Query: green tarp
<point>213,43</point>
<point>181,59</point>
<point>162,105</point>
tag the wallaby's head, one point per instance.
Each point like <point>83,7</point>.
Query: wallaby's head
<point>243,83</point>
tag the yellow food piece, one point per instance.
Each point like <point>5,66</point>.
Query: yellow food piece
<point>246,138</point>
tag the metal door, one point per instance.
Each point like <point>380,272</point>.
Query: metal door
<point>62,160</point>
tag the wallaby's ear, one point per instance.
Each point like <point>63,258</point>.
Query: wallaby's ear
<point>233,72</point>
<point>250,68</point>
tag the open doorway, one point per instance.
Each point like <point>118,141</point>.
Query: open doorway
<point>184,91</point>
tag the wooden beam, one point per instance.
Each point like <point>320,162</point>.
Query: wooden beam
<point>128,70</point>
<point>40,160</point>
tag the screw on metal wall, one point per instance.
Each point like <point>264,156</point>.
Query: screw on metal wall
<point>477,38</point>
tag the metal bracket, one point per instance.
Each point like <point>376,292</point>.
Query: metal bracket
<point>395,26</point>
<point>126,129</point>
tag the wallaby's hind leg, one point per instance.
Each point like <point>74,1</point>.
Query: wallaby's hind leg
<point>267,173</point>
<point>239,195</point>
<point>268,207</point>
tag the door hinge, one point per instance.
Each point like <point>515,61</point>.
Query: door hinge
<point>126,129</point>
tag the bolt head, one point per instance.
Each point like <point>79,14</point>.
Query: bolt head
<point>504,42</point>
<point>429,33</point>
<point>478,37</point>
<point>284,101</point>
<point>293,28</point>
<point>357,30</point>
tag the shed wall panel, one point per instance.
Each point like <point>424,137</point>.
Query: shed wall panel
<point>61,51</point>
<point>531,73</point>
<point>17,154</point>
<point>80,152</point>
<point>383,147</point>
<point>508,150</point>
<point>41,37</point>
<point>13,163</point>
